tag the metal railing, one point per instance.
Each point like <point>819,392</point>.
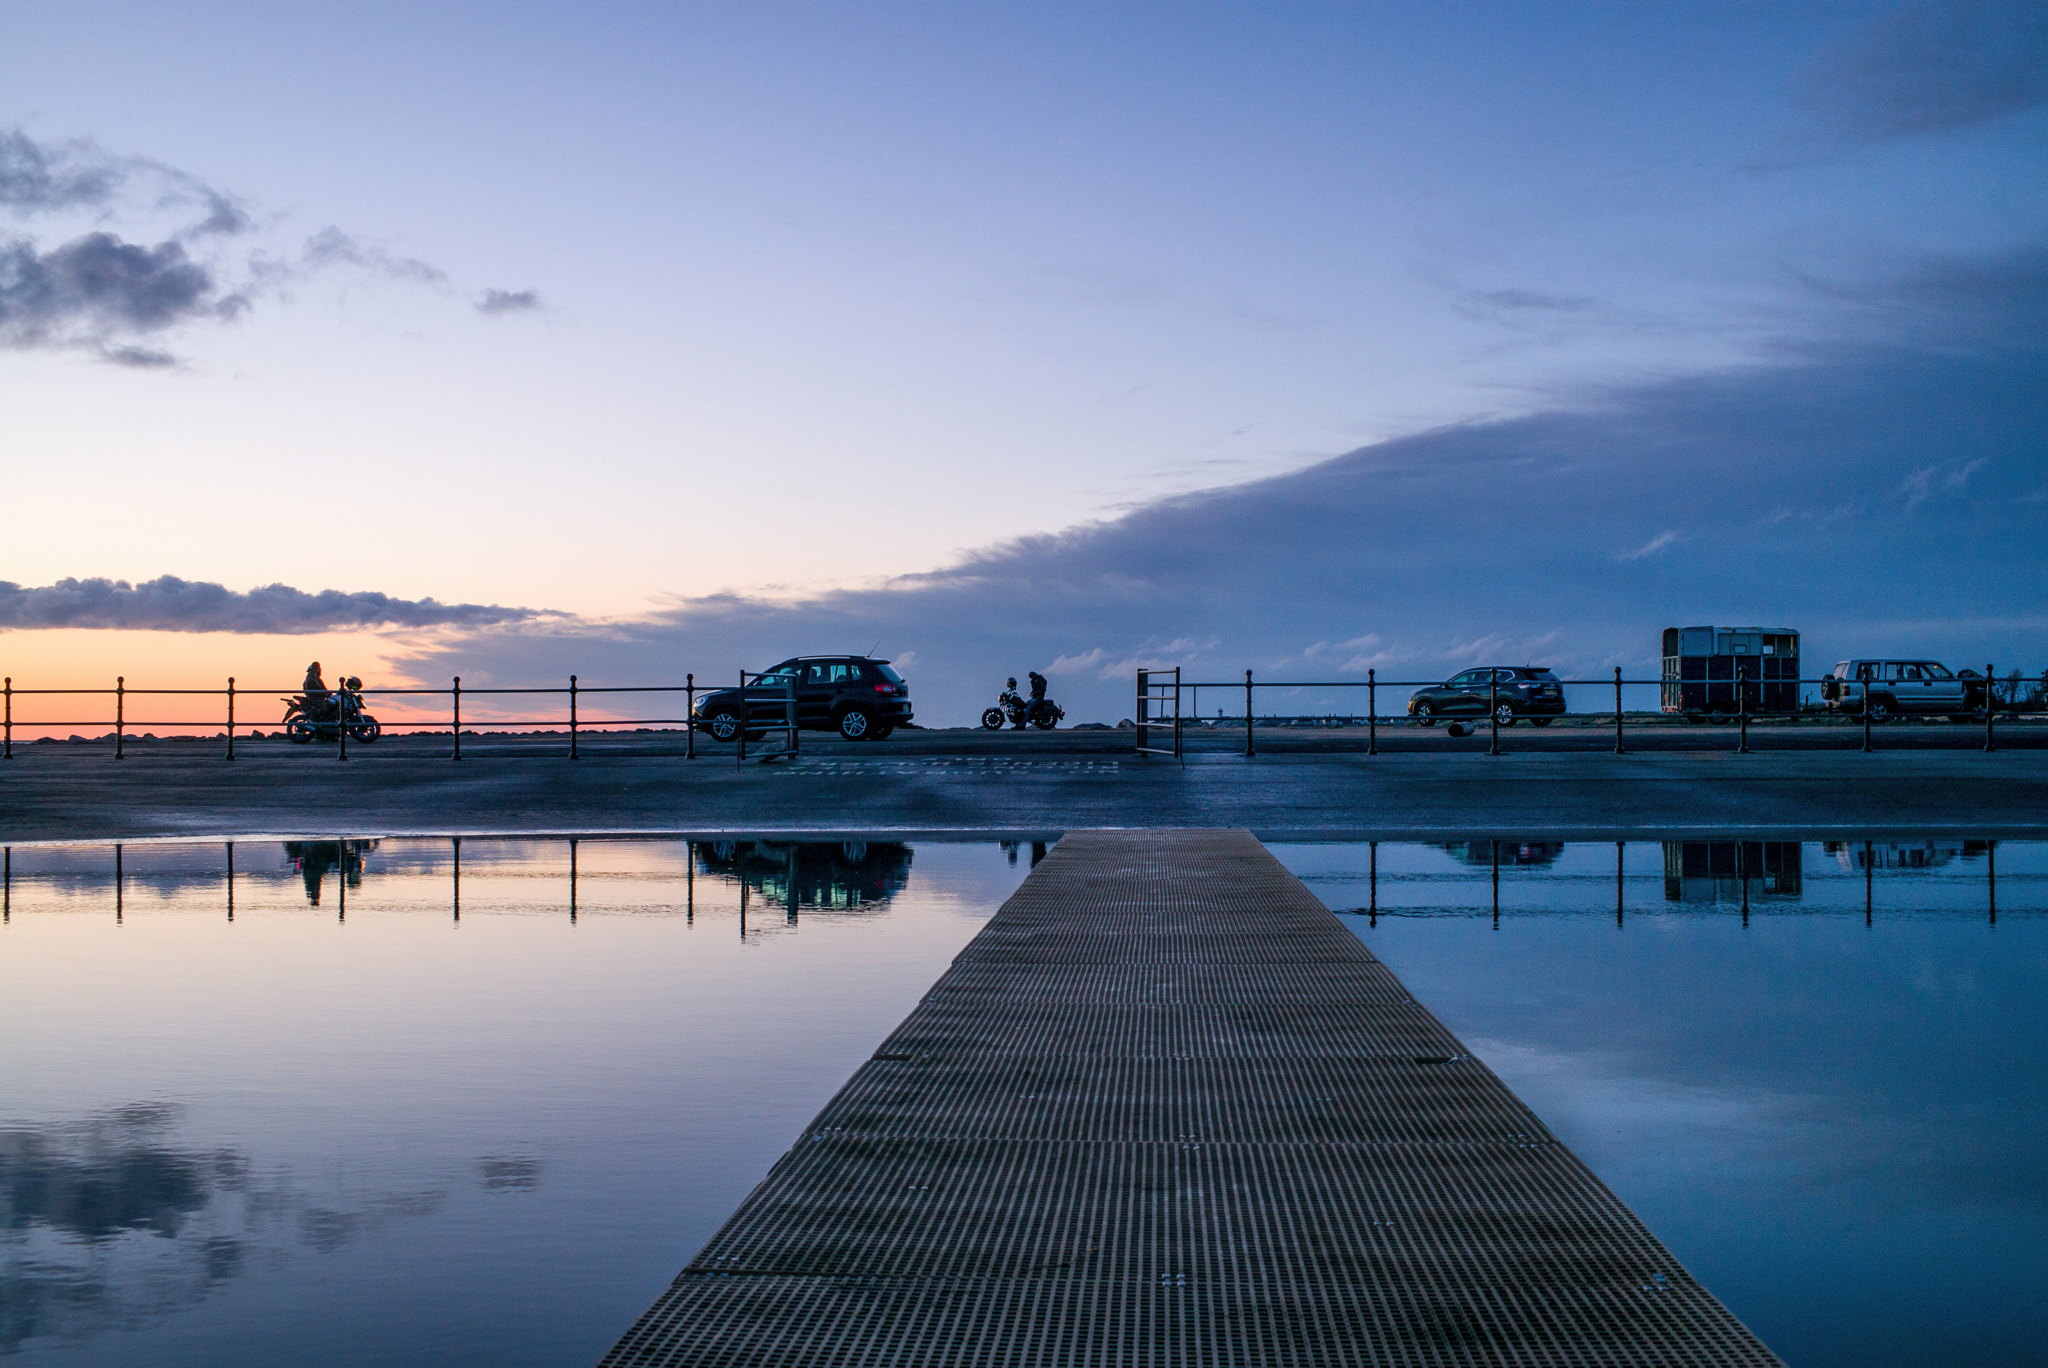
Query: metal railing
<point>2012,697</point>
<point>787,726</point>
<point>572,724</point>
<point>1159,708</point>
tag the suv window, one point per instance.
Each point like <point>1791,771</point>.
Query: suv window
<point>1901,669</point>
<point>1466,678</point>
<point>844,672</point>
<point>1934,671</point>
<point>889,674</point>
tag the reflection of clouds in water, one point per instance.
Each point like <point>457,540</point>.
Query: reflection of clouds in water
<point>107,1224</point>
<point>1593,1102</point>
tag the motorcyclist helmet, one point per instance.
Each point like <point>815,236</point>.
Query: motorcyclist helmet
<point>1011,682</point>
<point>352,683</point>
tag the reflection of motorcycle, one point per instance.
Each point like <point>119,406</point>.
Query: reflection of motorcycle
<point>1012,706</point>
<point>320,717</point>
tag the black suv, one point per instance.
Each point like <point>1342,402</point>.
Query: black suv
<point>861,699</point>
<point>1508,691</point>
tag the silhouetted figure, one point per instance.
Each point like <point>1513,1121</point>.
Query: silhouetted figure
<point>1037,687</point>
<point>314,683</point>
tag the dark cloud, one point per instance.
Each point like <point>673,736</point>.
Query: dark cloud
<point>169,604</point>
<point>1932,68</point>
<point>98,292</point>
<point>508,301</point>
<point>97,287</point>
<point>1881,491</point>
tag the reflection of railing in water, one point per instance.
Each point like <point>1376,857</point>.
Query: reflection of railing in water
<point>1712,873</point>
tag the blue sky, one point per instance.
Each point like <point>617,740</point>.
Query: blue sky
<point>730,332</point>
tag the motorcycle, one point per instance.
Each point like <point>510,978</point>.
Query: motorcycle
<point>1018,710</point>
<point>320,717</point>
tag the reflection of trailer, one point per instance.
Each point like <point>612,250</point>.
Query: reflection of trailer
<point>1729,871</point>
<point>1701,665</point>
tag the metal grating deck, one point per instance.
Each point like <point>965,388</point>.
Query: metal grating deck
<point>1165,1112</point>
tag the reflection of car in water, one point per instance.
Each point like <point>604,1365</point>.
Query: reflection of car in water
<point>1857,856</point>
<point>1715,871</point>
<point>1533,854</point>
<point>312,859</point>
<point>824,874</point>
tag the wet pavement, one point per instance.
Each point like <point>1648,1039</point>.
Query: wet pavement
<point>970,781</point>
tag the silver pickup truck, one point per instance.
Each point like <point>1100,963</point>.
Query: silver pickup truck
<point>1892,688</point>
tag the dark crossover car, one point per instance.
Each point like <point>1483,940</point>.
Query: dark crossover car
<point>861,699</point>
<point>1508,691</point>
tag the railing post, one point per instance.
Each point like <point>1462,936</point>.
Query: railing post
<point>1990,707</point>
<point>1618,748</point>
<point>1493,716</point>
<point>10,718</point>
<point>1867,682</point>
<point>573,753</point>
<point>789,715</point>
<point>746,717</point>
<point>455,697</point>
<point>1144,732</point>
<point>1372,712</point>
<point>231,717</point>
<point>1742,710</point>
<point>120,711</point>
<point>690,716</point>
<point>1249,750</point>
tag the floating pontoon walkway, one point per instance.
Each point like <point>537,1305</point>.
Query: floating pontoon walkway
<point>1166,1112</point>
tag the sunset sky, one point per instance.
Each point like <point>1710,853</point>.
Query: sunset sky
<point>1306,338</point>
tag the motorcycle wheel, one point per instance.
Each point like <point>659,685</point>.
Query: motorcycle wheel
<point>366,731</point>
<point>298,732</point>
<point>1046,719</point>
<point>992,718</point>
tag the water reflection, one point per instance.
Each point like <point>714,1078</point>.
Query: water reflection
<point>842,875</point>
<point>107,1222</point>
<point>314,859</point>
<point>1732,871</point>
<point>1486,854</point>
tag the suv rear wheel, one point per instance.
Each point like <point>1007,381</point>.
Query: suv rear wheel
<point>1879,710</point>
<point>1504,713</point>
<point>857,724</point>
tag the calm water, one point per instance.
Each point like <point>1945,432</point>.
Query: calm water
<point>354,1125</point>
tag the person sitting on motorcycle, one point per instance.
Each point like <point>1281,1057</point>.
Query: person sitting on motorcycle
<point>315,691</point>
<point>1031,710</point>
<point>1012,702</point>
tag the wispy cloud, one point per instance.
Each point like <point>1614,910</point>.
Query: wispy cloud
<point>1663,541</point>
